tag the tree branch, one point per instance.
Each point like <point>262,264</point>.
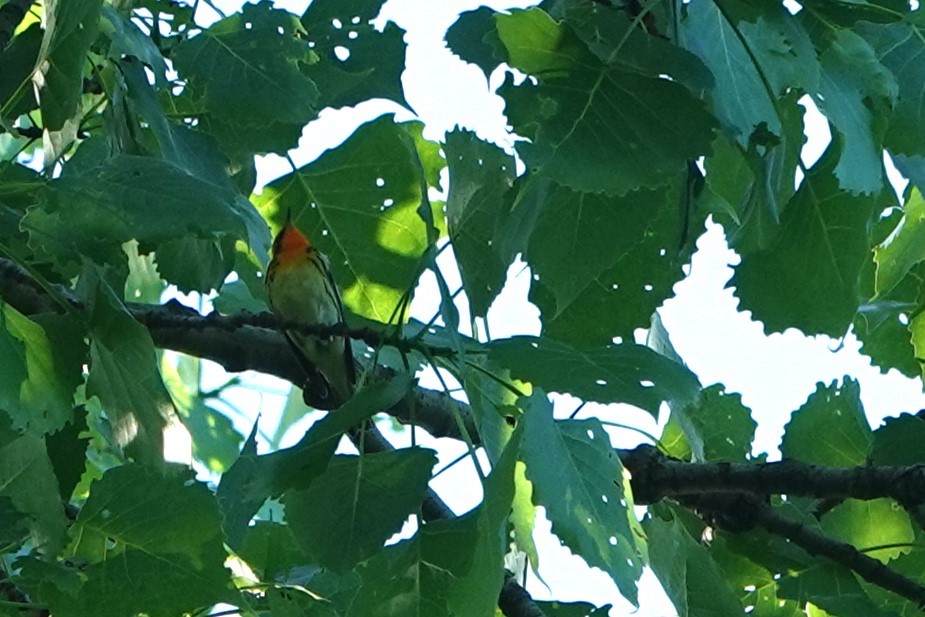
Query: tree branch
<point>656,475</point>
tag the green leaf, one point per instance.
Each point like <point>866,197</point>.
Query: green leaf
<point>124,375</point>
<point>756,585</point>
<point>870,524</point>
<point>139,525</point>
<point>194,264</point>
<point>37,389</point>
<point>480,177</point>
<point>476,593</point>
<point>741,100</point>
<point>830,428</point>
<point>808,277</point>
<point>215,441</point>
<point>127,39</point>
<point>254,478</point>
<point>602,255</point>
<point>358,204</point>
<point>366,499</point>
<point>904,248</point>
<point>689,576</point>
<point>375,59</point>
<point>898,47</point>
<point>271,550</point>
<point>67,451</point>
<point>407,578</point>
<point>578,478</point>
<point>899,441</point>
<point>615,374</point>
<point>71,27</point>
<point>28,480</point>
<point>721,423</point>
<point>244,65</point>
<point>582,118</point>
<point>612,36</point>
<point>94,212</point>
<point>474,38</point>
<point>833,588</point>
<point>18,59</point>
<point>855,91</point>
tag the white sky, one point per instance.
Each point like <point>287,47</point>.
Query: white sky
<point>774,374</point>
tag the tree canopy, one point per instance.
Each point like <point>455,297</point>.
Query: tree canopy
<point>128,137</point>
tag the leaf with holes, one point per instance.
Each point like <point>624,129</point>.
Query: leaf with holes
<point>481,176</point>
<point>140,525</point>
<point>723,426</point>
<point>578,478</point>
<point>358,61</point>
<point>245,65</point>
<point>358,204</point>
<point>615,374</point>
<point>580,241</point>
<point>367,498</point>
<point>830,428</point>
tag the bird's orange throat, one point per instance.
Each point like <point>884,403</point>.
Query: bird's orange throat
<point>290,245</point>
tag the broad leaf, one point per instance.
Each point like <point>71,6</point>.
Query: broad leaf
<point>808,277</point>
<point>905,248</point>
<point>741,98</point>
<point>358,204</point>
<point>832,588</point>
<point>723,426</point>
<point>830,428</point>
<point>689,576</point>
<point>137,524</point>
<point>254,478</point>
<point>481,175</point>
<point>349,511</point>
<point>582,117</point>
<point>358,60</point>
<point>899,441</point>
<point>867,525</point>
<point>855,92</point>
<point>37,389</point>
<point>124,376</point>
<point>244,65</point>
<point>131,197</point>
<point>71,27</point>
<point>578,479</point>
<point>615,374</point>
<point>602,264</point>
<point>27,479</point>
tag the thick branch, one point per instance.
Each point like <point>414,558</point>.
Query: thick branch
<point>235,347</point>
<point>656,475</point>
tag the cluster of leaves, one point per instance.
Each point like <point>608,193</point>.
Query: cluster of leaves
<point>149,126</point>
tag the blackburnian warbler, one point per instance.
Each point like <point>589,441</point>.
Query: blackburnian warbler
<point>301,290</point>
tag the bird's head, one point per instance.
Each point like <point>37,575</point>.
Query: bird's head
<point>289,243</point>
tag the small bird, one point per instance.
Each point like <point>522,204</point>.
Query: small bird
<point>301,290</point>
